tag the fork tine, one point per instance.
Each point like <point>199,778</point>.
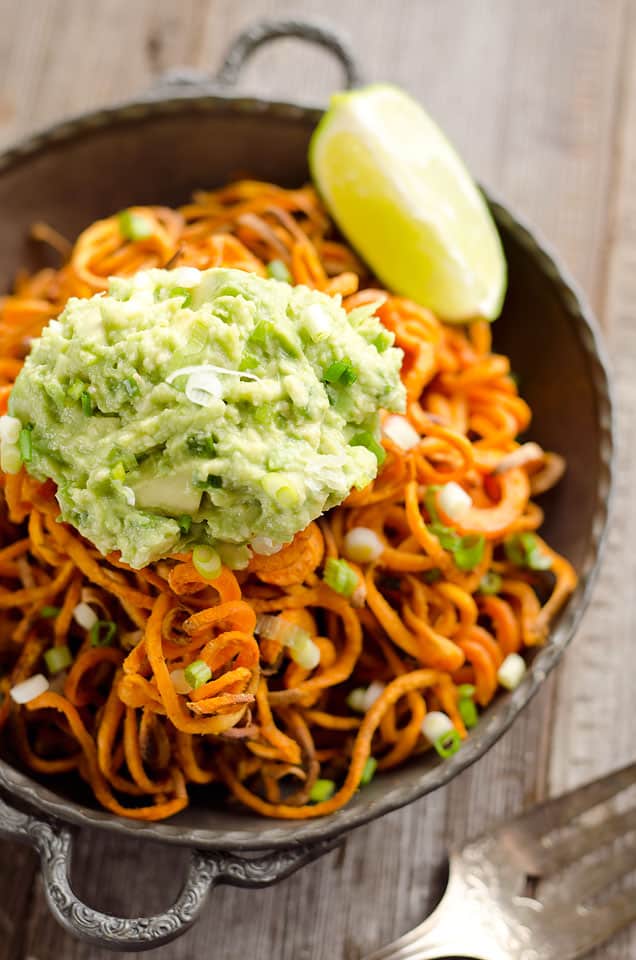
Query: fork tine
<point>546,858</point>
<point>559,811</point>
<point>587,881</point>
<point>612,916</point>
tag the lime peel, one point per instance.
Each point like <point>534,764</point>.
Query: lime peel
<point>404,199</point>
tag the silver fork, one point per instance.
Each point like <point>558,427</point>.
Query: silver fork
<point>490,911</point>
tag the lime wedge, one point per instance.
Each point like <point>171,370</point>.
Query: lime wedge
<point>406,202</point>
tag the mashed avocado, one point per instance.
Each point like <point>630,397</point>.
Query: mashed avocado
<point>212,407</point>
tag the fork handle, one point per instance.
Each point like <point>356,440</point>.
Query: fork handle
<point>450,931</point>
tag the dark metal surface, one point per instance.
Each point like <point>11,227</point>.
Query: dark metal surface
<point>159,149</point>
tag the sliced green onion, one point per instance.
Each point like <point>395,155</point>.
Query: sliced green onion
<point>430,502</point>
<point>368,440</point>
<point>383,341</point>
<point>47,613</point>
<point>260,332</point>
<point>322,790</point>
<point>282,488</point>
<point>356,700</point>
<point>75,390</point>
<point>448,539</point>
<point>512,671</point>
<point>25,444</point>
<point>133,226</point>
<point>362,545</point>
<point>466,691</point>
<point>469,552</point>
<point>87,404</point>
<point>523,550</point>
<point>468,713</point>
<point>130,387</point>
<point>248,362</point>
<point>197,673</point>
<point>278,271</point>
<point>368,771</point>
<point>102,633</point>
<point>304,651</point>
<point>490,583</point>
<point>206,561</point>
<point>185,523</point>
<point>340,371</point>
<point>236,556</point>
<point>10,459</point>
<point>184,293</point>
<point>57,658</point>
<point>118,472</point>
<point>340,577</point>
<point>432,576</point>
<point>448,743</point>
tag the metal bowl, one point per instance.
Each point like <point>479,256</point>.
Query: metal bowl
<point>188,133</point>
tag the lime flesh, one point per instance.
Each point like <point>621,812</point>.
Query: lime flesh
<point>405,201</point>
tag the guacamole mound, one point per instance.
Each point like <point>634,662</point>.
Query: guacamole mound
<point>213,407</point>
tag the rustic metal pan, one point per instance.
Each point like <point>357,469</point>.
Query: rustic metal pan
<point>190,132</point>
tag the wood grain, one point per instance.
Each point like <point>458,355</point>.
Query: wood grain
<point>541,101</point>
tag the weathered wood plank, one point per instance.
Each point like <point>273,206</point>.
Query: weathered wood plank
<point>529,93</point>
<point>594,726</point>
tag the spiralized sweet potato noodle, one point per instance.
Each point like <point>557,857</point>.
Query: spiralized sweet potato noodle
<point>264,726</point>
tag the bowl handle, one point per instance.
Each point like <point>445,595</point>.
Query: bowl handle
<point>54,842</point>
<point>264,31</point>
<point>188,80</point>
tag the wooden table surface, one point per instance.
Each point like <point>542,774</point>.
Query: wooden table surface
<point>540,98</point>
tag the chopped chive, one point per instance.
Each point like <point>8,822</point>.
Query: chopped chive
<point>133,226</point>
<point>368,771</point>
<point>118,472</point>
<point>367,440</point>
<point>185,523</point>
<point>278,271</point>
<point>448,743</point>
<point>340,577</point>
<point>322,790</point>
<point>87,404</point>
<point>102,633</point>
<point>25,444</point>
<point>57,658</point>
<point>197,673</point>
<point>47,613</point>
<point>490,583</point>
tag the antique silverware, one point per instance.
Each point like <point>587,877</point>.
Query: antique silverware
<point>532,889</point>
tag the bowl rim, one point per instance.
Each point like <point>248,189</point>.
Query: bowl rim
<point>279,834</point>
